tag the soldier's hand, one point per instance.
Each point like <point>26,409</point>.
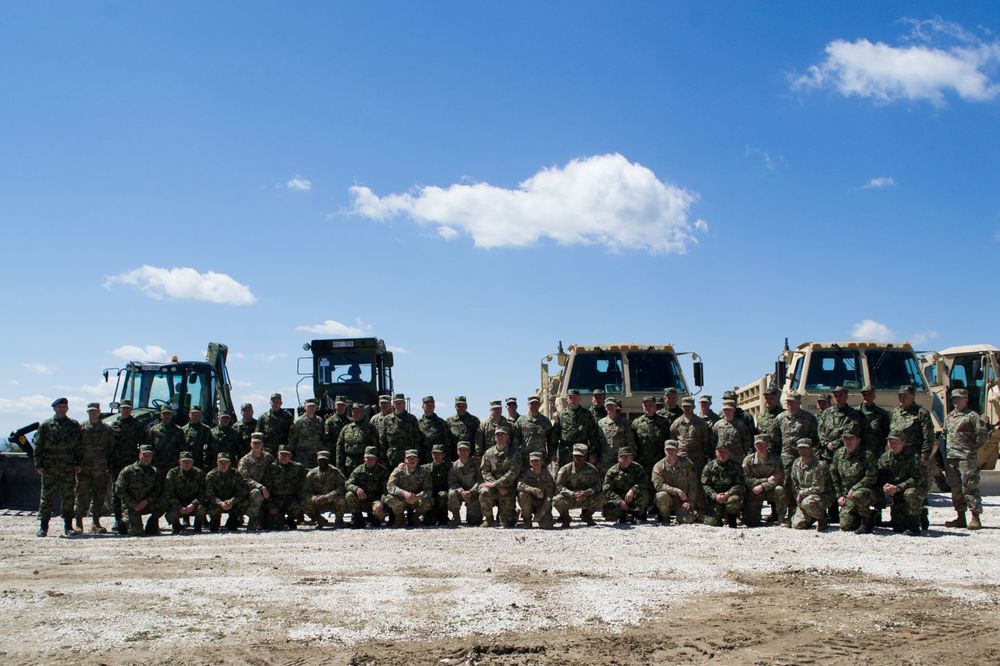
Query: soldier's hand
<point>227,505</point>
<point>850,494</point>
<point>889,488</point>
<point>758,489</point>
<point>265,493</point>
<point>721,498</point>
<point>141,505</point>
<point>539,493</point>
<point>39,471</point>
<point>798,500</point>
<point>630,495</point>
<point>683,495</point>
<point>841,501</point>
<point>832,446</point>
<point>360,492</point>
<point>686,506</point>
<point>466,494</point>
<point>623,505</point>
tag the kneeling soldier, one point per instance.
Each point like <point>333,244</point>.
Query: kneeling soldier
<point>184,491</point>
<point>285,480</point>
<point>764,477</point>
<point>226,491</point>
<point>464,477</point>
<point>899,475</point>
<point>501,468</point>
<point>626,492</point>
<point>364,488</point>
<point>408,490</point>
<point>722,480</point>
<point>139,488</point>
<point>811,487</point>
<point>324,491</point>
<point>855,473</point>
<point>675,483</point>
<point>535,489</point>
<point>438,470</point>
<point>578,485</point>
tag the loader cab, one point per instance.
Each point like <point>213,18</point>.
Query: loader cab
<point>180,385</point>
<point>358,368</point>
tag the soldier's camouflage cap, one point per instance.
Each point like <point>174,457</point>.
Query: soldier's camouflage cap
<point>579,449</point>
<point>275,396</point>
<point>147,448</point>
<point>839,389</point>
<point>867,388</point>
<point>906,388</point>
<point>371,452</point>
<point>322,455</point>
<point>534,398</point>
<point>93,406</point>
<point>670,391</point>
<point>597,392</point>
<point>824,396</point>
<point>166,410</point>
<point>762,439</point>
<point>772,390</point>
<point>311,401</point>
<point>186,455</point>
<point>226,415</point>
<point>729,395</point>
<point>536,455</point>
<point>722,444</point>
<point>427,398</point>
<point>224,455</point>
<point>792,396</point>
<point>671,444</point>
<point>573,392</point>
<point>464,445</point>
<point>461,400</point>
<point>399,397</point>
<point>60,401</point>
<point>502,430</point>
<point>411,453</point>
<point>894,434</point>
<point>728,404</point>
<point>284,448</point>
<point>705,398</point>
<point>126,403</point>
<point>648,398</point>
<point>437,448</point>
<point>687,400</point>
<point>246,405</point>
<point>341,400</point>
<point>384,398</point>
<point>959,393</point>
<point>257,437</point>
<point>357,405</point>
<point>611,401</point>
<point>626,451</point>
<point>803,443</point>
<point>510,399</point>
<point>495,403</point>
<point>196,408</point>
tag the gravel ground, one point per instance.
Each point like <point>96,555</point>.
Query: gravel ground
<point>104,598</point>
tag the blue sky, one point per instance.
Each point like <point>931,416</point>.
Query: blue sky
<point>473,183</point>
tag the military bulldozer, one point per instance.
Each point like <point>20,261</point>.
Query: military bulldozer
<point>360,369</point>
<point>625,372</point>
<point>150,386</point>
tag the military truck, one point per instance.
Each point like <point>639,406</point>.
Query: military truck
<point>975,368</point>
<point>358,368</point>
<point>150,386</point>
<point>624,371</point>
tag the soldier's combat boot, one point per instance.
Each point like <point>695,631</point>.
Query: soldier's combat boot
<point>43,527</point>
<point>78,528</point>
<point>338,523</point>
<point>411,518</point>
<point>526,522</point>
<point>455,519</point>
<point>821,524</point>
<point>232,523</point>
<point>152,526</point>
<point>587,516</point>
<point>866,525</point>
<point>623,518</point>
<point>118,525</point>
<point>487,521</point>
<point>374,520</point>
<point>291,524</point>
<point>731,521</point>
<point>176,527</point>
<point>357,521</point>
<point>975,523</point>
<point>925,519</point>
<point>213,524</point>
<point>398,520</point>
<point>771,518</point>
<point>199,524</point>
<point>958,522</point>
<point>913,527</point>
<point>564,520</point>
<point>68,527</point>
<point>96,527</point>
<point>319,522</point>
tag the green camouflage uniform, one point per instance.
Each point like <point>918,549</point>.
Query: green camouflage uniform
<point>182,488</point>
<point>532,506</point>
<point>332,427</point>
<point>875,425</point>
<point>833,424</point>
<point>504,469</point>
<point>964,434</point>
<point>57,451</point>
<point>463,428</point>
<point>254,470</point>
<point>130,433</point>
<point>855,472</point>
<point>223,439</point>
<point>534,433</point>
<point>813,484</point>
<point>435,430</point>
<point>757,472</point>
<point>766,421</point>
<point>245,429</point>
<point>486,434</point>
<point>439,487</point>
<point>671,414</point>
<point>901,471</point>
<point>400,432</point>
<point>97,446</point>
<point>230,485</point>
<point>168,441</point>
<point>618,434</point>
<point>722,477</point>
<point>465,476</point>
<point>285,483</point>
<point>324,491</point>
<point>197,440</point>
<point>617,484</point>
<point>598,412</point>
<point>694,439</point>
<point>305,439</point>
<point>736,434</point>
<point>274,425</point>
<point>354,438</point>
<point>650,434</point>
<point>418,482</point>
<point>136,483</point>
<point>577,426</point>
<point>917,429</point>
<point>668,482</point>
<point>570,480</point>
<point>709,417</point>
<point>786,430</point>
<point>372,481</point>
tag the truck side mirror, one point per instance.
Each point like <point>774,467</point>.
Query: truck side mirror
<point>780,374</point>
<point>699,374</point>
<point>105,373</point>
<point>387,359</point>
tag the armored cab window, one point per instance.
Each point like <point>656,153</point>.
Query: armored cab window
<point>345,368</point>
<point>653,372</point>
<point>834,367</point>
<point>596,370</point>
<point>890,369</point>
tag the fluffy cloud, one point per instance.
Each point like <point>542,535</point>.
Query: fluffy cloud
<point>869,329</point>
<point>878,183</point>
<point>153,353</point>
<point>40,368</point>
<point>604,200</point>
<point>395,350</point>
<point>269,358</point>
<point>184,283</point>
<point>299,184</point>
<point>920,337</point>
<point>32,407</point>
<point>338,330</point>
<point>938,57</point>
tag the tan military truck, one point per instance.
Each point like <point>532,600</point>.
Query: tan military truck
<point>975,368</point>
<point>624,371</point>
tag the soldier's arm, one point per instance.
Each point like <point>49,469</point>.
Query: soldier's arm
<point>927,432</point>
<point>77,446</point>
<point>750,479</point>
<point>352,481</point>
<point>738,484</point>
<point>427,487</point>
<point>510,477</point>
<point>871,474</point>
<point>390,487</point>
<point>705,482</point>
<point>523,486</point>
<point>835,477</point>
<point>170,493</point>
<point>561,479</point>
<point>480,443</point>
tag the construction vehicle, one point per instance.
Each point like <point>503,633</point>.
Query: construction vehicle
<point>625,372</point>
<point>150,386</point>
<point>360,369</point>
<point>975,368</point>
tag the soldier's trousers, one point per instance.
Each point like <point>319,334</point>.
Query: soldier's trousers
<point>506,504</point>
<point>962,475</point>
<point>399,506</point>
<point>753,504</point>
<point>337,504</point>
<point>905,505</point>
<point>174,513</point>
<point>287,506</point>
<point>360,507</point>
<point>813,507</point>
<point>665,503</point>
<point>154,509</point>
<point>856,508</point>
<point>534,508</point>
<point>473,506</point>
<point>439,503</point>
<point>786,462</point>
<point>91,492</point>
<point>716,514</point>
<point>245,507</point>
<point>63,479</point>
<point>565,500</point>
<point>640,504</point>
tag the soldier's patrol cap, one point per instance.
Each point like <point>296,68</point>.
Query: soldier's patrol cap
<point>502,430</point>
<point>824,396</point>
<point>495,403</point>
<point>687,400</point>
<point>197,408</point>
<point>792,396</point>
<point>186,455</point>
<point>246,405</point>
<point>670,391</point>
<point>341,400</point>
<point>147,448</point>
<point>464,445</point>
<point>573,392</point>
<point>867,388</point>
<point>894,434</point>
<point>803,443</point>
<point>536,455</point>
<point>371,452</point>
<point>427,398</point>
<point>411,453</point>
<point>849,434</point>
<point>226,415</point>
<point>597,392</point>
<point>461,400</point>
<point>728,404</point>
<point>772,390</point>
<point>224,455</point>
<point>626,451</point>
<point>126,403</point>
<point>322,455</point>
<point>312,401</point>
<point>399,397</point>
<point>579,449</point>
<point>906,388</point>
<point>723,444</point>
<point>357,405</point>
<point>510,399</point>
<point>275,396</point>
<point>671,444</point>
<point>384,398</point>
<point>705,398</point>
<point>166,410</point>
<point>839,389</point>
<point>60,401</point>
<point>93,406</point>
<point>437,448</point>
<point>960,393</point>
<point>533,398</point>
<point>648,398</point>
<point>257,437</point>
<point>284,449</point>
<point>729,395</point>
<point>611,401</point>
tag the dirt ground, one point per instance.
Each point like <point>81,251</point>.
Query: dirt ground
<point>606,595</point>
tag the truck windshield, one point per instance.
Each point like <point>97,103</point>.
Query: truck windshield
<point>890,369</point>
<point>832,367</point>
<point>596,370</point>
<point>178,387</point>
<point>345,368</point>
<point>654,372</point>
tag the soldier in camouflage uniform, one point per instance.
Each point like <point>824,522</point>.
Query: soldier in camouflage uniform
<point>224,438</point>
<point>140,489</point>
<point>576,425</point>
<point>183,493</point>
<point>696,443</point>
<point>364,488</point>
<point>253,467</point>
<point>97,446</point>
<point>914,424</point>
<point>438,470</point>
<point>305,437</point>
<point>335,423</point>
<point>354,438</point>
<point>578,485</point>
<point>324,490</point>
<point>285,480</point>
<point>733,431</point>
<point>823,402</point>
<point>501,468</point>
<point>197,439</point>
<point>626,490</point>
<point>399,432</point>
<point>730,396</point>
<point>772,408</point>
<point>671,410</point>
<point>130,434</point>
<point>675,483</point>
<point>618,434</point>
<point>463,425</point>
<point>835,422</point>
<point>875,423</point>
<point>651,431</point>
<point>167,440</point>
<point>464,477</point>
<point>512,414</point>
<point>409,491</point>
<point>964,434</point>
<point>489,426</point>
<point>57,457</point>
<point>434,431</point>
<point>765,477</point>
<point>534,431</point>
<point>811,487</point>
<point>723,484</point>
<point>900,478</point>
<point>275,425</point>
<point>226,491</point>
<point>535,489</point>
<point>246,426</point>
<point>854,472</point>
<point>705,410</point>
<point>597,404</point>
<point>787,429</point>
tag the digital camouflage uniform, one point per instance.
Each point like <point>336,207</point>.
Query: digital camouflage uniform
<point>668,482</point>
<point>284,483</point>
<point>618,434</point>
<point>418,482</point>
<point>671,414</point>
<point>97,446</point>
<point>572,479</point>
<point>400,432</point>
<point>577,426</point>
<point>916,428</point>
<point>274,425</point>
<point>305,439</point>
<point>902,471</point>
<point>735,434</point>
<point>57,450</point>
<point>529,485</point>
<point>245,429</point>
<point>757,472</point>
<point>964,434</point>
<point>136,483</point>
<point>197,440</point>
<point>168,441</point>
<point>833,424</point>
<point>130,433</point>
<point>695,442</point>
<point>766,421</point>
<point>226,439</point>
<point>439,489</point>
<point>875,425</point>
<point>502,468</point>
<point>463,428</point>
<point>709,417</point>
<point>618,482</point>
<point>813,484</point>
<point>534,432</point>
<point>182,488</point>
<point>786,430</point>
<point>230,485</point>
<point>486,435</point>
<point>465,476</point>
<point>332,427</point>
<point>650,434</point>
<point>723,477</point>
<point>856,473</point>
<point>325,491</point>
<point>435,430</point>
<point>254,470</point>
<point>354,438</point>
<point>372,480</point>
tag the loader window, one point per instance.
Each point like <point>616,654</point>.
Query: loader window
<point>593,370</point>
<point>654,372</point>
<point>829,368</point>
<point>891,369</point>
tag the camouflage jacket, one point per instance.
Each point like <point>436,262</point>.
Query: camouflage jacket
<point>97,446</point>
<point>400,431</point>
<point>327,483</point>
<point>964,433</point>
<point>168,441</point>
<point>501,467</point>
<point>577,426</point>
<point>534,433</point>
<point>709,417</point>
<point>138,482</point>
<point>485,436</point>
<point>402,479</point>
<point>332,427</point>
<point>370,479</point>
<point>671,414</point>
<point>853,471</point>
<point>198,440</point>
<point>650,434</point>
<point>354,438</point>
<point>255,469</point>
<point>787,429</point>
<point>764,423</point>
<point>901,471</point>
<point>305,438</point>
<point>57,444</point>
<point>694,438</point>
<point>284,481</point>
<point>182,488</point>
<point>598,412</point>
<point>130,433</point>
<point>529,482</point>
<point>464,475</point>
<point>875,425</point>
<point>221,486</point>
<point>463,428</point>
<point>245,429</point>
<point>224,439</point>
<point>833,424</point>
<point>917,429</point>
<point>618,434</point>
<point>735,434</point>
<point>274,425</point>
<point>672,479</point>
<point>439,475</point>
<point>722,477</point>
<point>435,430</point>
<point>618,481</point>
<point>812,479</point>
<point>756,472</point>
<point>573,479</point>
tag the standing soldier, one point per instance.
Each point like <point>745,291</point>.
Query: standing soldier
<point>275,425</point>
<point>354,438</point>
<point>285,480</point>
<point>914,424</point>
<point>823,401</point>
<point>811,487</point>
<point>512,415</point>
<point>167,440</point>
<point>97,446</point>
<point>837,421</point>
<point>730,396</point>
<point>705,410</point>
<point>253,467</point>
<point>787,429</point>
<point>434,431</point>
<point>364,490</point>
<point>618,435</point>
<point>875,423</point>
<point>501,468</point>
<point>183,492</point>
<point>197,439</point>
<point>576,425</point>
<point>335,423</point>
<point>675,483</point>
<point>463,425</point>
<point>464,477</point>
<point>651,431</point>
<point>130,434</point>
<point>765,478</point>
<point>733,431</point>
<point>305,437</point>
<point>140,489</point>
<point>488,427</point>
<point>533,430</point>
<point>597,400</point>
<point>900,479</point>
<point>671,408</point>
<point>855,474</point>
<point>408,491</point>
<point>772,407</point>
<point>401,432</point>
<point>324,491</point>
<point>57,457</point>
<point>964,434</point>
<point>226,491</point>
<point>626,490</point>
<point>377,421</point>
<point>723,483</point>
<point>695,440</point>
<point>246,426</point>
<point>224,438</point>
<point>578,485</point>
<point>535,489</point>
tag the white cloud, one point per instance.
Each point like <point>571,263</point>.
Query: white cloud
<point>242,383</point>
<point>869,329</point>
<point>30,406</point>
<point>599,200</point>
<point>299,184</point>
<point>941,57</point>
<point>153,353</point>
<point>920,337</point>
<point>395,350</point>
<point>269,358</point>
<point>184,283</point>
<point>40,368</point>
<point>771,162</point>
<point>338,330</point>
<point>878,183</point>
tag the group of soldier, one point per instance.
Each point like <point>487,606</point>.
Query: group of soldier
<point>843,465</point>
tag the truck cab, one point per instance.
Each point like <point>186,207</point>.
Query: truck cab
<point>358,368</point>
